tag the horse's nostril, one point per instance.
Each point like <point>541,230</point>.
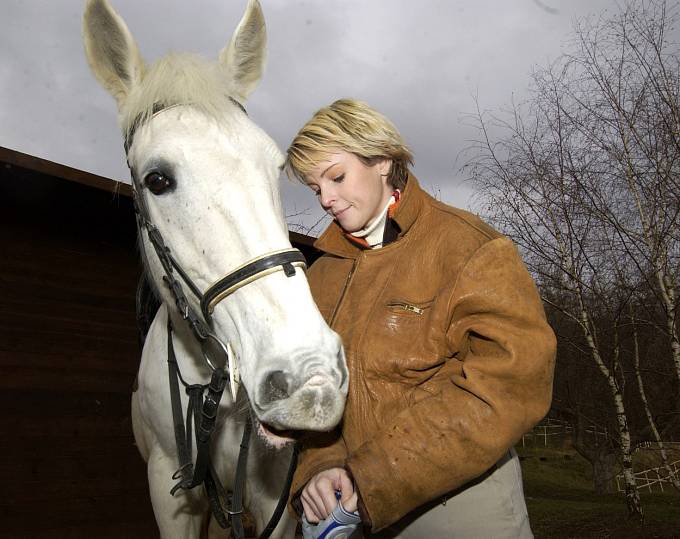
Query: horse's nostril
<point>316,380</point>
<point>275,387</point>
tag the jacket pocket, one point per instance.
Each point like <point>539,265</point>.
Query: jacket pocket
<point>399,342</point>
<point>400,306</point>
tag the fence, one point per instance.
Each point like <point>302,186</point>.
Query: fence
<point>651,477</point>
<point>555,429</point>
<point>654,446</point>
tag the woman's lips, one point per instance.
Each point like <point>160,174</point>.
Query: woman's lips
<point>337,214</point>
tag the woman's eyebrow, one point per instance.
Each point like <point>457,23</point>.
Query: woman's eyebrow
<point>328,168</point>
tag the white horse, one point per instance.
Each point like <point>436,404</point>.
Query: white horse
<point>207,177</point>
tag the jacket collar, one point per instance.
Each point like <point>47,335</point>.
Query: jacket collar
<point>333,240</point>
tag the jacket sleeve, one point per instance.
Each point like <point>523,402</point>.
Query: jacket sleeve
<point>323,451</point>
<point>320,451</point>
<point>495,386</point>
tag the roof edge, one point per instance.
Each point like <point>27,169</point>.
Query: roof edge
<point>37,164</point>
<point>43,166</point>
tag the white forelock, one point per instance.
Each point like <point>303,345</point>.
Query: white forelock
<point>176,79</point>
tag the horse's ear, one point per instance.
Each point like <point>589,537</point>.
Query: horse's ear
<point>245,56</point>
<point>110,49</point>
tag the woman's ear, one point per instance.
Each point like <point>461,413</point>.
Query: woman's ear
<point>384,166</point>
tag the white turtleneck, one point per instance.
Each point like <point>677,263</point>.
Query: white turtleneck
<point>374,230</point>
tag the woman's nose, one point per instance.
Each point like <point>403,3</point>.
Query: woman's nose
<point>327,196</point>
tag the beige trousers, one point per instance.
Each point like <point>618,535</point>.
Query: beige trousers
<point>490,507</point>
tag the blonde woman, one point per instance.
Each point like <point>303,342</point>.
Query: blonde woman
<point>449,353</point>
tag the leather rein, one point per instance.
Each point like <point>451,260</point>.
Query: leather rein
<point>202,411</point>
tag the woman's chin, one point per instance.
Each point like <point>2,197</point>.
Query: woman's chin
<point>348,225</point>
<point>348,221</point>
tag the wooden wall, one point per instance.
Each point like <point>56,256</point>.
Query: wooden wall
<point>68,356</point>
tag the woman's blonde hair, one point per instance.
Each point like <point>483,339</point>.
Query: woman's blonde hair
<point>354,127</point>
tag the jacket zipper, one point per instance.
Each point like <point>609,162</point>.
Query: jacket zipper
<point>344,290</point>
<point>407,307</point>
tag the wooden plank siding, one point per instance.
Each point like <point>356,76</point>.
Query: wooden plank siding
<point>68,357</point>
<point>69,354</point>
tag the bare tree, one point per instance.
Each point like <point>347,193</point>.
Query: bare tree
<point>623,82</point>
<point>585,177</point>
<point>296,222</point>
<point>528,182</point>
<point>672,475</point>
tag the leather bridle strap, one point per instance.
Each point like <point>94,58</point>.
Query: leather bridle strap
<point>285,259</point>
<point>283,499</point>
<point>169,264</point>
<point>185,471</point>
<point>239,488</point>
<point>240,482</point>
<point>190,474</point>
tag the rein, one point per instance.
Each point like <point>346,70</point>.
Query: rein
<point>202,412</point>
<point>191,475</point>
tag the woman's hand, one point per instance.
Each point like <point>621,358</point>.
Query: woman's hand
<point>318,496</point>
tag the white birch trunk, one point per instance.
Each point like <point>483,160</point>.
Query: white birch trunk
<point>669,299</point>
<point>672,476</point>
<point>632,495</point>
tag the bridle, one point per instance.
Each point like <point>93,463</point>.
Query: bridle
<point>217,355</point>
<point>285,260</point>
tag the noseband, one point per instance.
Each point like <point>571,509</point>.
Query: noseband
<point>219,357</point>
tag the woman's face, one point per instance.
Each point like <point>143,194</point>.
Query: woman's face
<point>350,191</point>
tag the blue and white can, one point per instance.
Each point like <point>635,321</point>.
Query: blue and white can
<point>340,524</point>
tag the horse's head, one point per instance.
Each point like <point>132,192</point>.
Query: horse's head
<point>208,179</point>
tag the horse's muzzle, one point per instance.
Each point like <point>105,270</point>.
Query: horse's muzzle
<point>312,400</point>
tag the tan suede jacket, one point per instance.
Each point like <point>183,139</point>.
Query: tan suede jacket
<point>450,357</point>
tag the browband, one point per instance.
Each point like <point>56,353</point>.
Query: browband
<point>157,108</point>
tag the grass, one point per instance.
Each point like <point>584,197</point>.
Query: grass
<point>562,504</point>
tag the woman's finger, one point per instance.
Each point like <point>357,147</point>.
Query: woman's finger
<point>350,504</point>
<point>310,513</point>
<point>324,492</point>
<point>346,487</point>
<point>313,510</point>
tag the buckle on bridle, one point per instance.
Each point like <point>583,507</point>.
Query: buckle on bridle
<point>209,345</point>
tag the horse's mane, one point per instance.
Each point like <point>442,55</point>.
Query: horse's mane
<point>178,78</point>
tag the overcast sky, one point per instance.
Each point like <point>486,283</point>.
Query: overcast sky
<point>419,62</point>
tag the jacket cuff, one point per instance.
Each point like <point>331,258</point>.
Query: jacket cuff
<point>363,512</point>
<point>361,506</point>
<point>375,489</point>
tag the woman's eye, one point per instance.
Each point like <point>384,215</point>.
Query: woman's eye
<point>157,182</point>
<point>338,179</point>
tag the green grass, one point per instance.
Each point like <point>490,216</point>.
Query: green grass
<point>562,503</point>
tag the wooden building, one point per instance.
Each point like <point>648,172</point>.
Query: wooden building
<point>69,354</point>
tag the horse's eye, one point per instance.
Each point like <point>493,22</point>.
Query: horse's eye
<point>157,182</point>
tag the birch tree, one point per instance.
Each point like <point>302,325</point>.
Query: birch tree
<point>623,78</point>
<point>585,177</point>
<point>527,181</point>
